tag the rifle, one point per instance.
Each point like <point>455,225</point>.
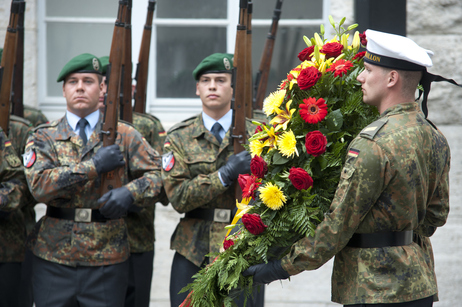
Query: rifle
<point>248,63</point>
<point>18,80</point>
<point>111,180</point>
<point>7,66</point>
<point>141,75</point>
<point>126,79</point>
<point>261,81</point>
<point>238,101</point>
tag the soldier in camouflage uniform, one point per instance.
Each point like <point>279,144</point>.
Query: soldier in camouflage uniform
<point>35,116</point>
<point>12,231</point>
<point>393,193</point>
<point>140,225</point>
<point>199,171</point>
<point>81,254</point>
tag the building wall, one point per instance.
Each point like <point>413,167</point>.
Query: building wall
<point>433,24</point>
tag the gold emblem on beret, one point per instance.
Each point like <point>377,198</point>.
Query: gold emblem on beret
<point>227,63</point>
<point>95,64</point>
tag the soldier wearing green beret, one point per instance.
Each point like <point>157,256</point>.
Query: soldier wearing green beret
<point>81,247</point>
<point>140,225</point>
<point>199,171</point>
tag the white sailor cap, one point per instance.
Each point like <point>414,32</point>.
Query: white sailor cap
<point>395,51</point>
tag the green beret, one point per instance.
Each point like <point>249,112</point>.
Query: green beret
<point>104,63</point>
<point>1,53</point>
<point>84,63</point>
<point>215,63</point>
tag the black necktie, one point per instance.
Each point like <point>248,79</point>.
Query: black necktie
<point>216,128</point>
<point>82,124</point>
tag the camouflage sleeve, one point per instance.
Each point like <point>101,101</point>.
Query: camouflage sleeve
<point>13,182</point>
<point>363,177</point>
<point>185,191</point>
<point>48,179</point>
<point>144,166</point>
<point>437,210</point>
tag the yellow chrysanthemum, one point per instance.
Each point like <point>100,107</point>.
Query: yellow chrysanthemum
<point>272,196</point>
<point>284,116</point>
<point>273,102</point>
<point>287,144</point>
<point>256,148</point>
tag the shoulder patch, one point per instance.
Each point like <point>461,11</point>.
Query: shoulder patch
<point>20,119</point>
<point>168,161</point>
<point>183,123</point>
<point>370,131</point>
<point>47,125</point>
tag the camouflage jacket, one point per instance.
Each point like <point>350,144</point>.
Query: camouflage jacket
<point>395,178</point>
<point>35,116</point>
<point>141,232</point>
<point>64,175</point>
<point>193,182</point>
<point>13,225</point>
<point>14,187</point>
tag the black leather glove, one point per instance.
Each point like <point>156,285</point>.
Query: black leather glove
<point>237,164</point>
<point>117,202</point>
<point>264,273</point>
<point>108,158</point>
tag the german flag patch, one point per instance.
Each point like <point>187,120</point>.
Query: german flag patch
<point>352,155</point>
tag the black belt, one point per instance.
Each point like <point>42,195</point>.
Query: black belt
<point>381,239</point>
<point>76,214</point>
<point>216,215</point>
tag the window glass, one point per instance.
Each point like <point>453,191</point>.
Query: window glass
<point>290,9</point>
<point>81,8</point>
<point>66,40</point>
<point>192,9</point>
<point>289,42</point>
<point>179,51</point>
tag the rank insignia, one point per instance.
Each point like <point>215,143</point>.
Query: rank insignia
<point>168,161</point>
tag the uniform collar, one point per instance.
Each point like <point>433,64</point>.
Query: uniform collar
<point>400,108</point>
<point>225,121</point>
<point>73,119</point>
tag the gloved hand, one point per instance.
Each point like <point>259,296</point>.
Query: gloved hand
<point>264,273</point>
<point>237,164</point>
<point>108,158</point>
<point>117,202</point>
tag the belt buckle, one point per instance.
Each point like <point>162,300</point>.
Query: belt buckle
<point>82,215</point>
<point>222,215</point>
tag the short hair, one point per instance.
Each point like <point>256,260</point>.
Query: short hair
<point>411,79</point>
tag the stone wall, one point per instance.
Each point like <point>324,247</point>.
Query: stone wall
<point>434,25</point>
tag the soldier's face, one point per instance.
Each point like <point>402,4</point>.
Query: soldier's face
<point>82,91</point>
<point>373,80</point>
<point>101,95</point>
<point>215,91</point>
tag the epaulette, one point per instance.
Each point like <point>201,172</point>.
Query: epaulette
<point>370,131</point>
<point>47,125</point>
<point>127,123</point>
<point>183,123</point>
<point>21,120</point>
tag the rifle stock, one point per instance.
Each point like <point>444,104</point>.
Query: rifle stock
<point>17,98</point>
<point>126,79</point>
<point>111,180</point>
<point>7,66</point>
<point>261,81</point>
<point>141,75</point>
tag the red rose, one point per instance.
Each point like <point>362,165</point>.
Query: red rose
<point>358,56</point>
<point>315,143</point>
<point>227,243</point>
<point>253,223</point>
<point>300,178</point>
<point>305,53</point>
<point>332,50</point>
<point>258,167</point>
<point>362,37</point>
<point>248,184</point>
<point>259,128</point>
<point>308,77</point>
